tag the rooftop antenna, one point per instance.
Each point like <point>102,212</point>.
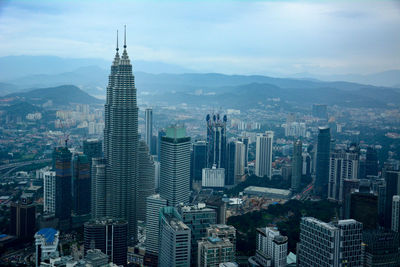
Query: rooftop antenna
<point>117,41</point>
<point>124,36</point>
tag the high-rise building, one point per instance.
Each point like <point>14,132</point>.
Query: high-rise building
<point>199,159</point>
<point>93,148</point>
<point>240,159</point>
<point>216,140</point>
<point>175,166</point>
<point>154,204</point>
<point>329,244</point>
<point>392,179</point>
<point>212,251</point>
<point>148,136</point>
<point>381,248</point>
<point>110,236</point>
<point>273,244</point>
<point>146,185</point>
<point>371,162</point>
<point>174,249</point>
<point>156,174</point>
<point>230,164</point>
<point>213,177</point>
<point>49,192</point>
<point>161,133</point>
<point>343,165</point>
<point>23,217</point>
<point>63,186</point>
<point>245,140</point>
<point>263,166</point>
<point>395,213</point>
<point>81,184</point>
<point>364,209</point>
<point>46,243</point>
<point>223,231</point>
<point>307,164</point>
<point>322,166</point>
<point>121,142</point>
<point>297,164</point>
<point>197,218</point>
<point>98,188</point>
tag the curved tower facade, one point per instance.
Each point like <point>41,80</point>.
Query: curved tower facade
<point>121,143</point>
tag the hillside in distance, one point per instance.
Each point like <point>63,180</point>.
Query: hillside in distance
<point>60,95</point>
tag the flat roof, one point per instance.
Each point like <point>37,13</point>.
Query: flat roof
<point>267,190</point>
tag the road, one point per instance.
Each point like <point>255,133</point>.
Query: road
<point>13,166</point>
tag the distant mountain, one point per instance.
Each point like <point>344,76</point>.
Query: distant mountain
<point>60,95</point>
<point>7,88</point>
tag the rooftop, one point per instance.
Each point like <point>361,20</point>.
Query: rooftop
<point>267,190</point>
<point>49,234</point>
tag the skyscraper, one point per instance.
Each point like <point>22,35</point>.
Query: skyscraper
<point>121,142</point>
<point>63,186</point>
<point>148,127</point>
<point>216,140</point>
<point>343,165</point>
<point>329,244</point>
<point>392,179</point>
<point>49,192</point>
<point>175,166</point>
<point>322,168</point>
<point>395,213</point>
<point>23,217</point>
<point>199,159</point>
<point>245,141</point>
<point>154,204</point>
<point>212,251</point>
<point>297,164</point>
<point>81,184</point>
<point>109,236</point>
<point>273,244</point>
<point>98,188</point>
<point>240,159</point>
<point>230,164</point>
<point>174,239</point>
<point>146,185</point>
<point>263,166</point>
<point>93,148</point>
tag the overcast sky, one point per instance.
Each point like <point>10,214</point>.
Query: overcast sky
<point>279,37</point>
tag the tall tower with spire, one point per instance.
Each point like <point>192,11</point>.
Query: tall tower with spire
<point>121,142</point>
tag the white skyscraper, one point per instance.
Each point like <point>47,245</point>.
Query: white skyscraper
<point>148,127</point>
<point>98,176</point>
<point>263,164</point>
<point>273,244</point>
<point>240,160</point>
<point>395,213</point>
<point>49,192</point>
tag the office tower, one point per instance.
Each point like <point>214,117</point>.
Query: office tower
<point>223,231</point>
<point>395,213</point>
<point>364,209</point>
<point>197,218</point>
<point>121,142</point>
<point>263,166</point>
<point>214,178</point>
<point>329,244</point>
<point>349,187</point>
<point>319,111</point>
<point>371,162</point>
<point>297,164</point>
<point>286,170</point>
<point>146,186</point>
<point>108,235</point>
<point>156,174</point>
<point>63,186</point>
<point>23,217</point>
<point>245,141</point>
<point>216,140</point>
<point>174,249</point>
<point>154,204</point>
<point>342,165</point>
<point>148,136</point>
<point>217,204</point>
<point>212,251</point>
<point>49,192</point>
<point>273,244</point>
<point>230,164</point>
<point>392,179</point>
<point>322,167</point>
<point>381,248</point>
<point>175,166</point>
<point>98,188</point>
<point>93,148</point>
<point>240,150</point>
<point>199,159</point>
<point>46,243</point>
<point>81,184</point>
<point>161,133</point>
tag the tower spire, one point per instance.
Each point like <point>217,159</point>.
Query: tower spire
<point>117,41</point>
<point>124,36</point>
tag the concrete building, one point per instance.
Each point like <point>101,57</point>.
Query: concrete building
<point>395,213</point>
<point>223,231</point>
<point>174,239</point>
<point>175,166</point>
<point>49,192</point>
<point>98,188</point>
<point>267,192</point>
<point>212,251</point>
<point>23,217</point>
<point>214,178</point>
<point>273,244</point>
<point>240,160</point>
<point>380,248</point>
<point>46,243</point>
<point>297,166</point>
<point>264,143</point>
<point>329,244</point>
